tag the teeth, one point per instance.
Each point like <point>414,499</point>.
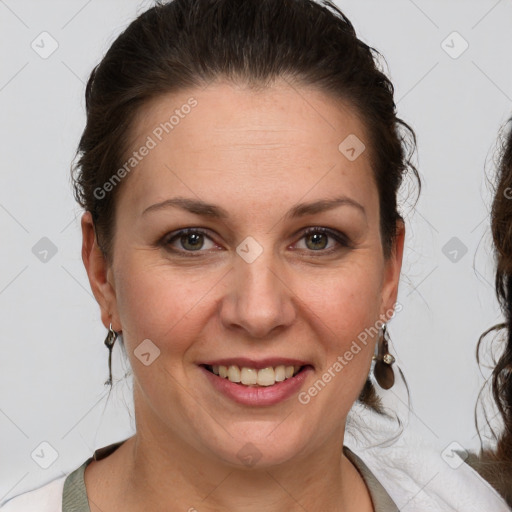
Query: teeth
<point>280,373</point>
<point>234,374</point>
<point>248,376</point>
<point>251,376</point>
<point>266,377</point>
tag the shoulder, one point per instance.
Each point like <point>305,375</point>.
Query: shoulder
<point>416,473</point>
<point>47,498</point>
<point>61,494</point>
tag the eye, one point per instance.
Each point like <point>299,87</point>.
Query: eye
<point>192,240</point>
<point>316,240</point>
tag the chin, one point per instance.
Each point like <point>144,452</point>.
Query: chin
<point>259,450</point>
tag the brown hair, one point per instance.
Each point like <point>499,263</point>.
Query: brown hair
<point>188,43</point>
<point>496,465</point>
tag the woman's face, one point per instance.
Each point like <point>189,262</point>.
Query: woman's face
<point>250,289</point>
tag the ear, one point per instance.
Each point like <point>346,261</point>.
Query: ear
<point>100,274</point>
<point>392,268</point>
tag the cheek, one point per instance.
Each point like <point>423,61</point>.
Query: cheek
<point>156,302</point>
<point>346,301</point>
<point>166,304</point>
<point>344,311</point>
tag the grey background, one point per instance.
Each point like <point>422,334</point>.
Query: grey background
<point>54,363</point>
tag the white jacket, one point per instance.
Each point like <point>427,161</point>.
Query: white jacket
<point>47,498</point>
<point>414,473</point>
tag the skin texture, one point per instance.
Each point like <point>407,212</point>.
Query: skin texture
<point>256,154</point>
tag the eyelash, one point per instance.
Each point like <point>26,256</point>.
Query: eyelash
<point>340,238</point>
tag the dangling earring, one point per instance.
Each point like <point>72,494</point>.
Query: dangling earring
<point>383,371</point>
<point>109,342</point>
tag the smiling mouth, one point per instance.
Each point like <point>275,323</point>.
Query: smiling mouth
<point>253,377</point>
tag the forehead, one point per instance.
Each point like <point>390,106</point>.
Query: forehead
<point>249,142</point>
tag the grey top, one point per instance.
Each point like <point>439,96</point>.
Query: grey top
<point>74,496</point>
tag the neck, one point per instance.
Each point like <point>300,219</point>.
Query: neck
<point>161,469</point>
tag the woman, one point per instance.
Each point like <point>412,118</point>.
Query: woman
<point>496,464</point>
<point>225,141</point>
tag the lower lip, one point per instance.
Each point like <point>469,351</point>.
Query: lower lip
<point>261,395</point>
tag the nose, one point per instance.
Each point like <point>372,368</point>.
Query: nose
<point>259,299</point>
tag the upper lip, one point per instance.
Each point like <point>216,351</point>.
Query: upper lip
<point>246,362</point>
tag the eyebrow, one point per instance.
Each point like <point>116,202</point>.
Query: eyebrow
<point>199,207</point>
